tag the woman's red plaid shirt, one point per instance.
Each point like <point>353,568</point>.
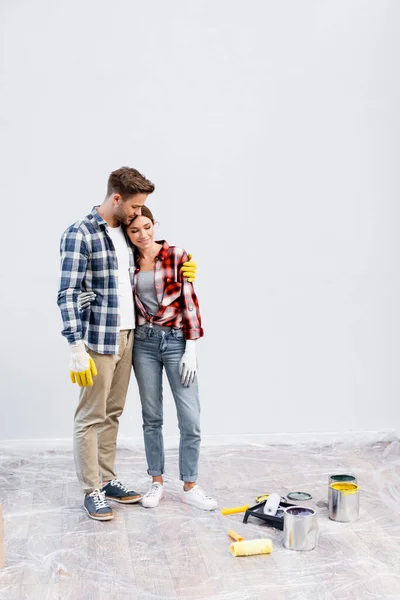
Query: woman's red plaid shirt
<point>176,297</point>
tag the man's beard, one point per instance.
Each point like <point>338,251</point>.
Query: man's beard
<point>122,218</point>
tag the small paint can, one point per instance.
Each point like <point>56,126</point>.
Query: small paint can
<point>344,502</point>
<point>341,478</point>
<point>300,528</point>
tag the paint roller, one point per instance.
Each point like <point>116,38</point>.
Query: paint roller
<point>272,504</point>
<point>251,547</point>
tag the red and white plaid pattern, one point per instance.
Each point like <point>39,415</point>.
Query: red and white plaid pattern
<point>178,302</point>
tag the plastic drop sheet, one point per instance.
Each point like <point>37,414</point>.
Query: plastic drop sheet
<point>54,551</point>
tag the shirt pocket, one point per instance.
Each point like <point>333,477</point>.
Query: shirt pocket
<point>172,291</point>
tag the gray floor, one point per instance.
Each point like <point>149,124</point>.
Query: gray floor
<point>53,551</point>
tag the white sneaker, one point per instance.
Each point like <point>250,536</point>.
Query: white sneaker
<point>153,496</point>
<point>197,497</point>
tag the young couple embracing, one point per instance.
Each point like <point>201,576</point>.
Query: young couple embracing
<point>126,299</point>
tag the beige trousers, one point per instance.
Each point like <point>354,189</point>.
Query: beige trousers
<point>96,418</point>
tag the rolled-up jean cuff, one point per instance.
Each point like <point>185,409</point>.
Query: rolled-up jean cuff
<point>155,473</point>
<point>189,478</point>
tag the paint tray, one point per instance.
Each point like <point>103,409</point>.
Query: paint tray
<point>272,520</point>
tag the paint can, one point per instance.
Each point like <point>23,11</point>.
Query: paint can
<point>300,528</point>
<point>344,501</point>
<point>347,478</point>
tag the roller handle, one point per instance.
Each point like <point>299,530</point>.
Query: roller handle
<point>236,509</point>
<point>235,536</point>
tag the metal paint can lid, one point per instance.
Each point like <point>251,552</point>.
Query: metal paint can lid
<point>299,496</point>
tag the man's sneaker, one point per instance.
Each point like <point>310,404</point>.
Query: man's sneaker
<point>153,496</point>
<point>115,490</point>
<point>97,506</point>
<point>197,497</point>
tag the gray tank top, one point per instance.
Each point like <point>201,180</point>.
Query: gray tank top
<point>146,291</point>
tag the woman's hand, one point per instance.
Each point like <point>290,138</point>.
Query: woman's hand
<point>85,299</point>
<point>188,364</point>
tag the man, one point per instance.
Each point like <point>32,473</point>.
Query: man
<point>95,255</point>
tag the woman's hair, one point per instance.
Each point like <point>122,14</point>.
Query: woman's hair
<point>146,212</point>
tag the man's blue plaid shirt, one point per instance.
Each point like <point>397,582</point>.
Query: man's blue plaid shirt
<point>89,262</point>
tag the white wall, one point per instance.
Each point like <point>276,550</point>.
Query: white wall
<point>271,130</point>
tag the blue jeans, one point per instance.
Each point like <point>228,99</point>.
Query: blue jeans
<point>155,348</point>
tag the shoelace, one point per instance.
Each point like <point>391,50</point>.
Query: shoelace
<point>153,491</point>
<point>118,484</point>
<point>200,492</point>
<point>99,499</point>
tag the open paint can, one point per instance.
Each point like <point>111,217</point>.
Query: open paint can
<point>339,479</point>
<point>300,528</point>
<point>344,502</point>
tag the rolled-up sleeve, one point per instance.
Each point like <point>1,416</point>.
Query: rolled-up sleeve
<point>192,328</point>
<point>74,258</point>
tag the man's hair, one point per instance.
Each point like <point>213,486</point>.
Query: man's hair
<point>127,182</point>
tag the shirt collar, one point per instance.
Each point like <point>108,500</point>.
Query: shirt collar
<point>95,215</point>
<point>164,251</point>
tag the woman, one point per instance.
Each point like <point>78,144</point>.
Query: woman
<point>168,325</point>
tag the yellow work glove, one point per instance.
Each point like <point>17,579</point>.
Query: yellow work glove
<point>81,365</point>
<point>189,269</point>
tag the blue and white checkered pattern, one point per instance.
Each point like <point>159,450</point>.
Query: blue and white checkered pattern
<point>89,262</point>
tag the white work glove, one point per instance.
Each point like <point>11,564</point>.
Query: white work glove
<point>85,299</point>
<point>81,365</point>
<point>188,364</point>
